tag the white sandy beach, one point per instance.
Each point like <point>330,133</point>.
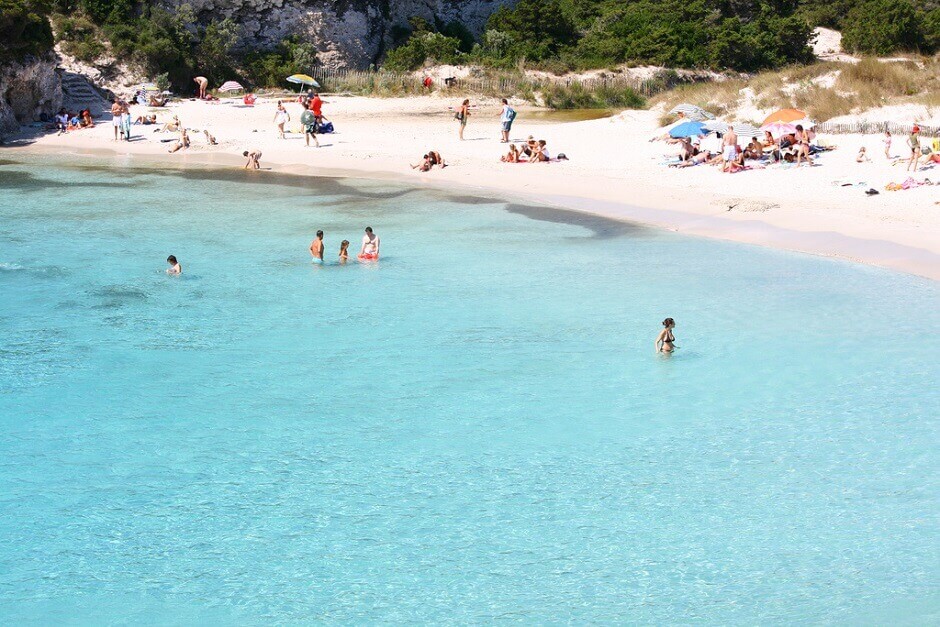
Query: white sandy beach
<point>613,171</point>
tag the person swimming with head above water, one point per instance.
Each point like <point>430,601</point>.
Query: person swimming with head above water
<point>666,341</point>
<point>370,246</point>
<point>175,267</point>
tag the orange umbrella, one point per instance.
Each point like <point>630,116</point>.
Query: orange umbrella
<point>785,116</point>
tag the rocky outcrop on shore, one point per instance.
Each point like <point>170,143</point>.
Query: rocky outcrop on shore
<point>346,33</point>
<point>29,89</point>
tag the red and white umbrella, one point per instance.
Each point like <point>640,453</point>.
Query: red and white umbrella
<point>231,86</point>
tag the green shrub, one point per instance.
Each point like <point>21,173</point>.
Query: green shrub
<point>422,47</point>
<point>882,27</point>
<point>269,69</point>
<point>24,28</point>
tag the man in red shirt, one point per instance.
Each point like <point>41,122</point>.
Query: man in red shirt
<point>316,105</point>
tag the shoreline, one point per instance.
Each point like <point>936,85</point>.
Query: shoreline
<point>898,231</point>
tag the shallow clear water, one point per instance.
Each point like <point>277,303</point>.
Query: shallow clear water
<point>474,429</point>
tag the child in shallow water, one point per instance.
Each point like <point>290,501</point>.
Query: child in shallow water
<point>175,267</point>
<point>344,251</point>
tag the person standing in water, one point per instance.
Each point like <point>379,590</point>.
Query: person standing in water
<point>344,251</point>
<point>175,267</point>
<point>370,246</point>
<point>666,341</point>
<point>316,248</point>
<point>203,83</point>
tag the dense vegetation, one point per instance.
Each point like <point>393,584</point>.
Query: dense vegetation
<point>556,35</point>
<point>24,28</point>
<point>159,41</point>
<point>744,35</point>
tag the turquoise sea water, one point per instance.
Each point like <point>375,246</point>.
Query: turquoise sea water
<point>476,429</point>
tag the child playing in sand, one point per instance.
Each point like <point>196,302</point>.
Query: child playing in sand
<point>175,267</point>
<point>254,159</point>
<point>862,157</point>
<point>344,251</point>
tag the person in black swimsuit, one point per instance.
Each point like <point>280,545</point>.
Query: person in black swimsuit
<point>666,341</point>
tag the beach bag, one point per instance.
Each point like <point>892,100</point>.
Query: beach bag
<point>326,127</point>
<point>510,114</point>
<point>458,116</point>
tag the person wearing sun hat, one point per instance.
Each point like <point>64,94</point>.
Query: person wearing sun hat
<point>914,142</point>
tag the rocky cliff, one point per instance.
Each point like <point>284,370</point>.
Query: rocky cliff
<point>28,89</point>
<point>347,33</point>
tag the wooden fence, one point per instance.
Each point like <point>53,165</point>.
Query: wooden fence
<point>872,128</point>
<point>508,85</point>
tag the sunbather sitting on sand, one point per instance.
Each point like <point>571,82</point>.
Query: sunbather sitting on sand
<point>754,150</point>
<point>529,147</point>
<point>157,101</point>
<point>171,127</point>
<point>430,159</point>
<point>512,156</point>
<point>861,157</point>
<point>210,138</point>
<point>802,146</point>
<point>540,153</point>
<point>182,142</point>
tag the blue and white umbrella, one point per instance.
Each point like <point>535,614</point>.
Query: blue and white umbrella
<point>692,112</point>
<point>687,129</point>
<point>743,129</point>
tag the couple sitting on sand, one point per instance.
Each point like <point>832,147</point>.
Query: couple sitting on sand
<point>368,252</point>
<point>430,159</point>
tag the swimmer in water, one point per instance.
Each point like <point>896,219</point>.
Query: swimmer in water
<point>370,246</point>
<point>344,251</point>
<point>175,267</point>
<point>666,341</point>
<point>316,248</point>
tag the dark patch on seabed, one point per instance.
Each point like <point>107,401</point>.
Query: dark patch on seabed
<point>28,182</point>
<point>603,228</point>
<point>326,186</point>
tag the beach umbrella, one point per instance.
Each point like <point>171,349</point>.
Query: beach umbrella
<point>779,128</point>
<point>784,115</point>
<point>231,86</point>
<point>686,129</point>
<point>692,112</point>
<point>303,79</point>
<point>743,129</point>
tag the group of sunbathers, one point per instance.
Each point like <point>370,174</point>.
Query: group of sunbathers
<point>726,151</point>
<point>66,121</point>
<point>531,151</point>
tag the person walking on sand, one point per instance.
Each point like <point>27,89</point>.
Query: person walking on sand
<point>203,83</point>
<point>887,141</point>
<point>175,267</point>
<point>916,151</point>
<point>116,117</point>
<point>370,246</point>
<point>506,116</point>
<point>316,248</point>
<point>310,123</point>
<point>666,341</point>
<point>281,117</point>
<point>254,159</point>
<point>461,116</point>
